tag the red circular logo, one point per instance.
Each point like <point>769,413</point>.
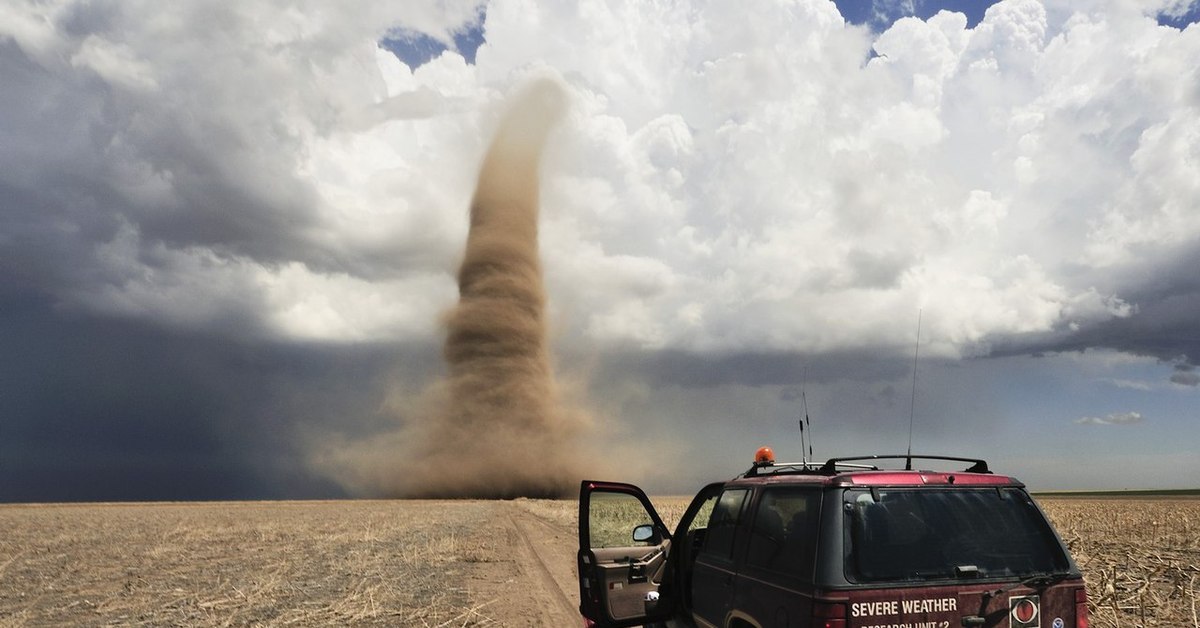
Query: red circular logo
<point>1025,611</point>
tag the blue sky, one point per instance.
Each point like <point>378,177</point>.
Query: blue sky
<point>415,48</point>
<point>879,16</point>
<point>227,236</point>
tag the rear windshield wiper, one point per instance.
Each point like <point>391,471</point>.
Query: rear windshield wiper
<point>1037,581</point>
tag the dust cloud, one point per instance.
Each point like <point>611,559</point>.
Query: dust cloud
<point>497,426</point>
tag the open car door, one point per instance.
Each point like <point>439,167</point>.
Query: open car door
<point>623,549</point>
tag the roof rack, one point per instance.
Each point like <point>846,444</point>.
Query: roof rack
<point>800,468</point>
<point>766,468</point>
<point>977,465</point>
<point>835,465</point>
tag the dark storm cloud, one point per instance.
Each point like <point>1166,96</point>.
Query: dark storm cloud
<point>695,370</point>
<point>168,160</point>
<point>96,409</point>
<point>114,169</point>
<point>1167,321</point>
<point>1185,375</point>
<point>1164,322</point>
<point>847,390</point>
<point>194,157</point>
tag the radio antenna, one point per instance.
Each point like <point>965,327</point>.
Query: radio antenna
<point>809,426</point>
<point>803,458</point>
<point>804,422</point>
<point>803,383</point>
<point>912,404</point>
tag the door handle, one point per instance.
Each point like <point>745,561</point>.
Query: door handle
<point>637,572</point>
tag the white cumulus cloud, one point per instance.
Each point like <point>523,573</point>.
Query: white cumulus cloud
<point>1125,418</point>
<point>730,178</point>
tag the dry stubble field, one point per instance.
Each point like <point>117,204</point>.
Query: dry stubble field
<point>445,563</point>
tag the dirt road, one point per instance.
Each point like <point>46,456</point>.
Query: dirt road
<point>361,563</point>
<point>529,579</point>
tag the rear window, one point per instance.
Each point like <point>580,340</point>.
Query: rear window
<point>905,535</point>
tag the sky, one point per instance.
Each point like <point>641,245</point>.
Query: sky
<point>228,233</point>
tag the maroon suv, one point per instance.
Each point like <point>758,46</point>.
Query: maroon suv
<point>844,544</point>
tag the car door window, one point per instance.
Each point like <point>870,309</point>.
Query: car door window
<point>783,536</point>
<point>722,523</point>
<point>703,515</point>
<point>613,517</point>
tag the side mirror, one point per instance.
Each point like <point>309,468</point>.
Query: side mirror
<point>646,533</point>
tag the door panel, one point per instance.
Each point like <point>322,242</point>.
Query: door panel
<point>626,584</point>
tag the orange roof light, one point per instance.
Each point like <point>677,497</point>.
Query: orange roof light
<point>764,456</point>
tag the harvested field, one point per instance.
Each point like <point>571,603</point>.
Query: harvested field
<point>446,563</point>
<point>361,563</point>
<point>1140,557</point>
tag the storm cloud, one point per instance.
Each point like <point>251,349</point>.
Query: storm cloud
<point>229,232</point>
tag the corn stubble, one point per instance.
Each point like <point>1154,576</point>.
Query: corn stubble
<point>418,563</point>
<point>1141,558</point>
<point>367,563</point>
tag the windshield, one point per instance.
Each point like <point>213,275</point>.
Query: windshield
<point>931,534</point>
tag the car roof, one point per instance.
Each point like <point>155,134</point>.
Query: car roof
<point>851,471</point>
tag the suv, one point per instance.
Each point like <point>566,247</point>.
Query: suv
<point>844,544</point>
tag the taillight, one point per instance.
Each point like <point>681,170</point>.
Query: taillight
<point>1081,611</point>
<point>829,614</point>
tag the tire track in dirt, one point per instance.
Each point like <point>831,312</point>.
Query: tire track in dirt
<point>523,570</point>
<point>549,557</point>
